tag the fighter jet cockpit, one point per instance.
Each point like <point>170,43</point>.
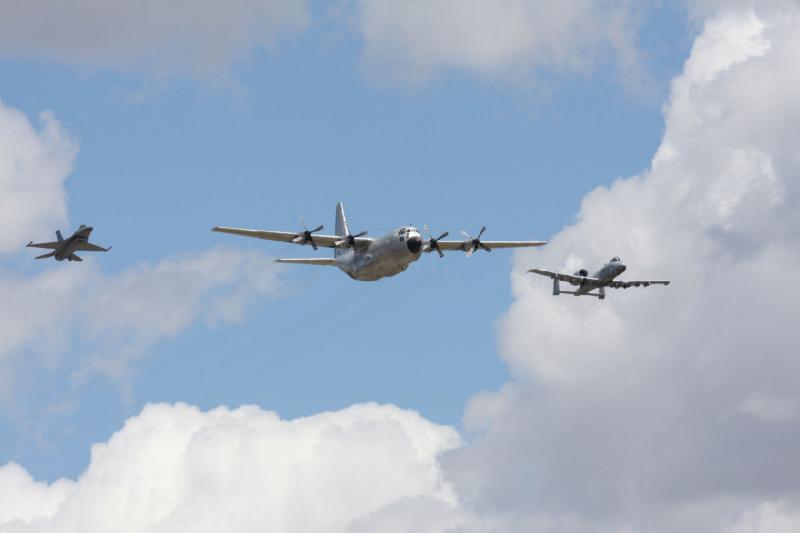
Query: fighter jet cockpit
<point>616,259</point>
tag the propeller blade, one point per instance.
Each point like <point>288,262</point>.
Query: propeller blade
<point>483,228</point>
<point>357,235</point>
<point>433,243</point>
<point>306,237</point>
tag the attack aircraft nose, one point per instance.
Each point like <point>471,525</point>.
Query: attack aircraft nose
<point>414,244</point>
<point>621,268</point>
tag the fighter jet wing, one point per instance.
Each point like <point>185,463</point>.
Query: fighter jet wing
<point>626,284</point>
<point>459,245</point>
<point>571,278</point>
<point>327,241</point>
<point>45,245</point>
<point>89,247</point>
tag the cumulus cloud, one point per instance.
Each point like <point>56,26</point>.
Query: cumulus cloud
<point>195,37</point>
<point>33,166</point>
<point>414,40</point>
<point>175,468</point>
<point>666,409</point>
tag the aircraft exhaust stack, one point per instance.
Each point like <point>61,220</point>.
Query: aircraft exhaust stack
<point>58,235</point>
<point>556,287</point>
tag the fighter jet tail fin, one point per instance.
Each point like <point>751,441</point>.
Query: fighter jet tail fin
<point>58,235</point>
<point>51,254</point>
<point>341,226</point>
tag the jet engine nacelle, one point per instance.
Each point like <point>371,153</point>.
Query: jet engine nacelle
<point>581,273</point>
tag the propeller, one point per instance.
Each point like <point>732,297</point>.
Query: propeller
<point>471,244</point>
<point>306,237</point>
<point>433,244</point>
<point>350,240</point>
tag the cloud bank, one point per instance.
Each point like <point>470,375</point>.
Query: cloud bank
<point>174,468</point>
<point>667,409</point>
<point>188,37</point>
<point>414,40</point>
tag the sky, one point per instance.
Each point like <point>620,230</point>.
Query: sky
<point>184,381</point>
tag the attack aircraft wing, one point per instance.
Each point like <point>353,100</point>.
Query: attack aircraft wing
<point>560,276</point>
<point>626,284</point>
<point>326,241</point>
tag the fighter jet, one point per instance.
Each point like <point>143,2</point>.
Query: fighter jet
<point>605,277</point>
<point>66,248</point>
<point>367,259</point>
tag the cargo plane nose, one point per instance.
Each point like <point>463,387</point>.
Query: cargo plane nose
<point>414,244</point>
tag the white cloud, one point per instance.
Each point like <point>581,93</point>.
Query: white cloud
<point>33,166</point>
<point>414,40</point>
<point>666,409</point>
<point>769,517</point>
<point>118,317</point>
<point>197,37</point>
<point>175,468</point>
<point>22,498</point>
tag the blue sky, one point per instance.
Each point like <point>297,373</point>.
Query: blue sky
<point>288,132</point>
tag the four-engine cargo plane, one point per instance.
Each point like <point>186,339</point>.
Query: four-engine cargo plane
<point>367,259</point>
<point>66,248</point>
<point>605,277</point>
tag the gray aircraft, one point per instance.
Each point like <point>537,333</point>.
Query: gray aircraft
<point>66,248</point>
<point>605,277</point>
<point>367,259</point>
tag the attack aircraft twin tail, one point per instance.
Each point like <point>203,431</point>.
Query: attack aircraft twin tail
<point>366,259</point>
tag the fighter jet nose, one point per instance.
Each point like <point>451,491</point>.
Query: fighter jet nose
<point>622,268</point>
<point>414,244</point>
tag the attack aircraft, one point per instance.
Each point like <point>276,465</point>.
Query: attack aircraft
<point>367,259</point>
<point>605,277</point>
<point>66,248</point>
